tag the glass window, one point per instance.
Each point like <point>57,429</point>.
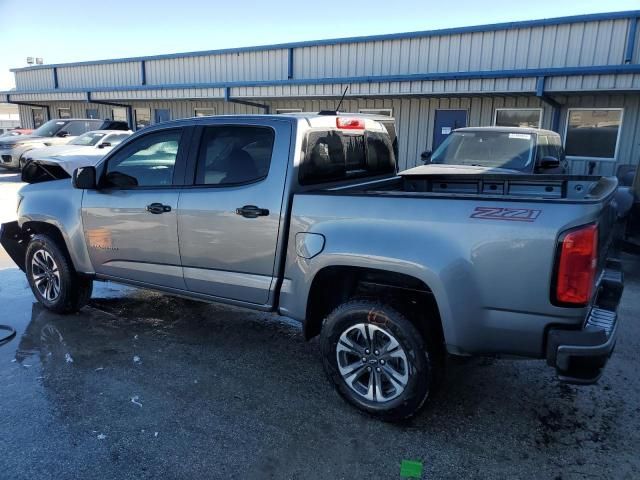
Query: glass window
<point>204,112</point>
<point>288,110</point>
<point>592,133</point>
<point>149,161</point>
<point>88,139</point>
<point>333,156</point>
<point>518,117</point>
<point>78,127</point>
<point>387,112</point>
<point>38,117</point>
<point>64,113</point>
<point>116,138</point>
<point>92,113</point>
<point>143,117</point>
<point>119,114</point>
<point>234,155</point>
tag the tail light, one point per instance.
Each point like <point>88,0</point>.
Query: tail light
<point>347,123</point>
<point>576,268</point>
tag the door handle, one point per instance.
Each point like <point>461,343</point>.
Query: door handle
<point>251,211</point>
<point>158,208</point>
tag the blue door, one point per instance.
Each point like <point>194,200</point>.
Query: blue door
<point>162,115</point>
<point>447,121</point>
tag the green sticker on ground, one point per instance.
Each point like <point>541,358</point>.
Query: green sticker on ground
<point>410,469</point>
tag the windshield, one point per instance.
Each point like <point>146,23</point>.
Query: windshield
<point>87,139</point>
<point>486,149</point>
<point>49,129</point>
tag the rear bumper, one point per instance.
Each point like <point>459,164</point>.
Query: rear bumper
<point>580,356</point>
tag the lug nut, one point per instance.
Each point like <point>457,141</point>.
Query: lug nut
<point>376,352</point>
<point>381,362</point>
<point>364,359</point>
<point>378,369</point>
<point>367,351</point>
<point>368,369</point>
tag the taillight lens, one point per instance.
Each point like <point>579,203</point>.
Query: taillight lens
<point>577,266</point>
<point>347,123</point>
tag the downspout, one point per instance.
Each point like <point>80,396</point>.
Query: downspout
<point>227,98</point>
<point>27,104</point>
<point>113,104</point>
<point>557,107</point>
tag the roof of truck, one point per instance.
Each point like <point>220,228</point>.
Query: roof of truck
<point>533,131</point>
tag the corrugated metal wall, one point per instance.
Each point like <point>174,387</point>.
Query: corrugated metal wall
<point>577,44</point>
<point>108,74</point>
<point>37,79</point>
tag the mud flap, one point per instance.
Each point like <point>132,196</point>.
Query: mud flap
<point>13,241</point>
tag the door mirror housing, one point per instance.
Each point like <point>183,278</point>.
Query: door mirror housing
<point>62,134</point>
<point>426,156</point>
<point>85,178</point>
<point>104,144</point>
<point>548,162</point>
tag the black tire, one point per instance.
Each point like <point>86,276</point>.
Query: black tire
<point>347,319</point>
<point>74,291</point>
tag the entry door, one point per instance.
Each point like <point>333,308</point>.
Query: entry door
<point>130,223</point>
<point>228,221</point>
<point>37,115</point>
<point>162,115</point>
<point>447,121</point>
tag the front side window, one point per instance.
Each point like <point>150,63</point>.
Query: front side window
<point>143,117</point>
<point>593,133</point>
<point>50,128</point>
<point>518,117</point>
<point>147,162</point>
<point>116,138</point>
<point>232,155</point>
<point>119,114</point>
<point>204,112</point>
<point>486,149</point>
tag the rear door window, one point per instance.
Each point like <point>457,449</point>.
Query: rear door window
<point>331,156</point>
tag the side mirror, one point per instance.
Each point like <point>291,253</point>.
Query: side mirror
<point>84,178</point>
<point>104,144</point>
<point>62,133</point>
<point>426,156</point>
<point>548,162</point>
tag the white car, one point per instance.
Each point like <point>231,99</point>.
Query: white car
<point>82,151</point>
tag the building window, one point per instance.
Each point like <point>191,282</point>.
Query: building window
<point>280,111</point>
<point>64,113</point>
<point>37,114</point>
<point>204,112</point>
<point>387,112</point>
<point>592,132</point>
<point>518,117</point>
<point>119,114</point>
<point>143,117</point>
<point>92,113</point>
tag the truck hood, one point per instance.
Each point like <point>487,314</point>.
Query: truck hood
<point>59,151</point>
<point>23,139</point>
<point>435,169</point>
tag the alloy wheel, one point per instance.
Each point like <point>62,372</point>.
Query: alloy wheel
<point>45,275</point>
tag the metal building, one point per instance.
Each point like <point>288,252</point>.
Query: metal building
<point>576,75</point>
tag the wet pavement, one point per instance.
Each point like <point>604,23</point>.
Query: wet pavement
<point>142,385</point>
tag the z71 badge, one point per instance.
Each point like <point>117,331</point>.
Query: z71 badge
<point>508,214</point>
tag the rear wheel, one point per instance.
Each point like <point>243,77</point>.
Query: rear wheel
<point>376,359</point>
<point>52,278</point>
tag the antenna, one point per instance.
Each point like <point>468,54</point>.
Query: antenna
<point>342,98</point>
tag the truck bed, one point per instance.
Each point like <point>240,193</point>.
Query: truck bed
<point>512,187</point>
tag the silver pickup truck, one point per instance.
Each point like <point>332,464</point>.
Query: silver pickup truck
<point>306,216</point>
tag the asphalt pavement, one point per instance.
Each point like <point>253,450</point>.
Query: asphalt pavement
<point>142,385</point>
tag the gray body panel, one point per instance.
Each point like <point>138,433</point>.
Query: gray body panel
<point>491,278</point>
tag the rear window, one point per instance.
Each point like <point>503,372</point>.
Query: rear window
<point>331,156</point>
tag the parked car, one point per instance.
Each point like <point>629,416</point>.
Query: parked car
<point>82,151</point>
<point>53,132</point>
<point>506,149</point>
<point>304,215</point>
<point>16,132</point>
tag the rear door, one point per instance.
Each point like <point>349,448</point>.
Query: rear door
<point>130,223</point>
<point>229,219</point>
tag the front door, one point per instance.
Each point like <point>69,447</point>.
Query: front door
<point>130,222</point>
<point>228,221</point>
<point>162,115</point>
<point>447,121</point>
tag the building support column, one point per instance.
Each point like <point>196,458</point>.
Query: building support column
<point>113,104</point>
<point>557,107</point>
<point>227,98</point>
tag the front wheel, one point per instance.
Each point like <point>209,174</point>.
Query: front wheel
<point>52,278</point>
<point>376,359</point>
